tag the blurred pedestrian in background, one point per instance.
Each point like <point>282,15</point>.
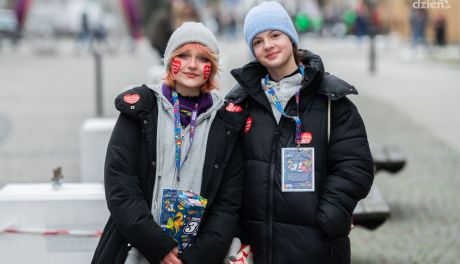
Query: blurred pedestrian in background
<point>307,157</point>
<point>418,22</point>
<point>92,35</point>
<point>133,21</point>
<point>173,135</point>
<point>84,35</point>
<point>440,29</point>
<point>165,19</point>
<point>160,27</point>
<point>362,21</point>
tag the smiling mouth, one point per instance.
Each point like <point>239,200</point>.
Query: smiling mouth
<point>191,75</point>
<point>272,55</point>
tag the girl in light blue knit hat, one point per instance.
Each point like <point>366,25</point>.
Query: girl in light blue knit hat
<point>307,157</point>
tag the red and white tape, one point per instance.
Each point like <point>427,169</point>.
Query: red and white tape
<point>52,232</point>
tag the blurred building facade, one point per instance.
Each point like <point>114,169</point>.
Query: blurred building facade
<point>395,15</point>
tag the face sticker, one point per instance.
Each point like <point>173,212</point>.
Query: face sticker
<point>306,138</point>
<point>131,98</point>
<point>206,71</point>
<point>175,66</point>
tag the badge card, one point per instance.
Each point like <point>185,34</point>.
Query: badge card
<point>298,170</point>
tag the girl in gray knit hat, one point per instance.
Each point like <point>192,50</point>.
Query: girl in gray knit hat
<point>307,157</point>
<point>174,135</point>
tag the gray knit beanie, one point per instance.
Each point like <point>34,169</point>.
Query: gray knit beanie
<point>190,32</point>
<point>268,16</point>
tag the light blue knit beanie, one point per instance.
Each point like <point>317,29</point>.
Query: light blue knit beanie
<point>268,16</point>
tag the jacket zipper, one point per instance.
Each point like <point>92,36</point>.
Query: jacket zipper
<point>270,194</point>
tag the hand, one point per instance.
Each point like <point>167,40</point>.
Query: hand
<point>172,257</point>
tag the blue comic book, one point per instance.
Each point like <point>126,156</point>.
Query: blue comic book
<point>181,214</point>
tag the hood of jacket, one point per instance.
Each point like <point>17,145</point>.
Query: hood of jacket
<point>315,77</point>
<point>136,102</point>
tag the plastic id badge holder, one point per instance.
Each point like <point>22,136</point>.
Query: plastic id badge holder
<point>298,169</point>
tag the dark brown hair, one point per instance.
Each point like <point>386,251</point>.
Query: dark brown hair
<point>297,54</point>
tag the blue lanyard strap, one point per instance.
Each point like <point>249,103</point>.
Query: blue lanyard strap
<point>279,107</point>
<point>178,130</point>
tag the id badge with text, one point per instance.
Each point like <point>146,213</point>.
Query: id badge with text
<point>298,169</point>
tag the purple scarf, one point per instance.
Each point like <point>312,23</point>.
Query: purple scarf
<point>187,103</point>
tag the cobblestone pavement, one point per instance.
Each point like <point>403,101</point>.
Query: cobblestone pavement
<point>423,227</point>
<point>44,101</point>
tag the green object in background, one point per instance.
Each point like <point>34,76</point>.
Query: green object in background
<point>317,24</point>
<point>349,17</point>
<point>302,22</point>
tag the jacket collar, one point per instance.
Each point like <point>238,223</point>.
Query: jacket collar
<point>314,79</point>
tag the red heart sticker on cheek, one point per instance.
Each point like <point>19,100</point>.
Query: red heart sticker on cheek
<point>206,71</point>
<point>175,66</point>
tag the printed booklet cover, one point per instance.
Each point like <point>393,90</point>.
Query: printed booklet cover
<point>181,214</point>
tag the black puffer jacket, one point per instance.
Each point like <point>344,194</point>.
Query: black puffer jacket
<point>130,178</point>
<point>302,227</point>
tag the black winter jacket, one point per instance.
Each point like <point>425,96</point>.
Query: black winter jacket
<point>302,227</point>
<point>130,178</point>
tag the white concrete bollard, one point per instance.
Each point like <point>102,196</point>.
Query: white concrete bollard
<point>94,137</point>
<point>40,223</point>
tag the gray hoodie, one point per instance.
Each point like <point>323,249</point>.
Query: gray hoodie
<point>284,89</point>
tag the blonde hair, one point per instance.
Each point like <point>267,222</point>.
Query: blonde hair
<point>211,83</point>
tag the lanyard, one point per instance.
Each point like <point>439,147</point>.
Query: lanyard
<point>178,131</point>
<point>276,102</point>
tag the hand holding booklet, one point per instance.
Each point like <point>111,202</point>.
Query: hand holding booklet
<point>181,215</point>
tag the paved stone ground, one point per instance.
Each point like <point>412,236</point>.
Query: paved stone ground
<point>44,101</point>
<point>423,198</point>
